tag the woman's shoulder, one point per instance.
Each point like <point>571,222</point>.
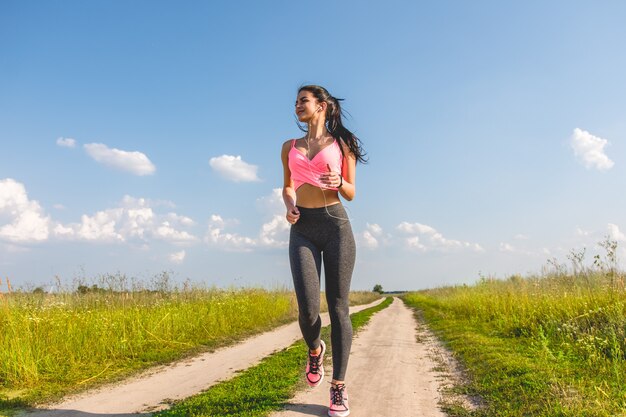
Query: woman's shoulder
<point>289,143</point>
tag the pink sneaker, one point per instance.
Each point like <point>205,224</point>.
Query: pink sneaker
<point>338,401</point>
<point>315,367</point>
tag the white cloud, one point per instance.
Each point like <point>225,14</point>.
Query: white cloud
<point>228,241</point>
<point>134,162</point>
<point>374,229</point>
<point>132,202</point>
<point>416,228</point>
<point>272,203</point>
<point>520,237</point>
<point>21,219</point>
<point>275,233</point>
<point>216,221</point>
<point>99,227</point>
<point>177,257</point>
<point>505,247</point>
<point>589,150</point>
<point>63,231</point>
<point>615,233</point>
<point>414,242</point>
<point>424,237</point>
<point>166,232</point>
<point>136,222</point>
<point>66,142</point>
<point>181,220</point>
<point>133,220</point>
<point>371,236</point>
<point>233,168</point>
<point>369,241</point>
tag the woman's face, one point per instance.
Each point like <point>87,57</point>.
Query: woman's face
<point>308,107</point>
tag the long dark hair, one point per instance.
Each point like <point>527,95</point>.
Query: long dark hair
<point>333,121</point>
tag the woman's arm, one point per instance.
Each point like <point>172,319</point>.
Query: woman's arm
<point>289,194</point>
<point>348,172</point>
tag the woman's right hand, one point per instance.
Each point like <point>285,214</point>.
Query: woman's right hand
<point>293,214</point>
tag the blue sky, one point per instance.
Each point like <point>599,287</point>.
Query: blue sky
<point>144,137</point>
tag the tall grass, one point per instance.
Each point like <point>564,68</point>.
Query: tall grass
<point>51,341</point>
<point>549,345</point>
<point>51,344</point>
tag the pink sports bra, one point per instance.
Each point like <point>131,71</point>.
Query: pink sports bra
<point>305,171</point>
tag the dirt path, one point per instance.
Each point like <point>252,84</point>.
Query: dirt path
<point>153,390</point>
<point>389,373</point>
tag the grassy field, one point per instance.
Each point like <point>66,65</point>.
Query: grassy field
<point>551,345</point>
<point>53,344</point>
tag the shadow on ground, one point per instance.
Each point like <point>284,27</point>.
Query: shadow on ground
<point>307,409</point>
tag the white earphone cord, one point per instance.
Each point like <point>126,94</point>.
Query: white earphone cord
<point>319,183</point>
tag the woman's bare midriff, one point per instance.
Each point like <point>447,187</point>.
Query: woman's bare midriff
<point>309,196</point>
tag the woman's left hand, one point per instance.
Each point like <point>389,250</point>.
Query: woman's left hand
<point>330,178</point>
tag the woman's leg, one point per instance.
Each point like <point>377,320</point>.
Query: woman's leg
<point>339,257</point>
<point>305,260</point>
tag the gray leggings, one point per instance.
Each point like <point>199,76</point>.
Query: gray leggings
<point>314,237</point>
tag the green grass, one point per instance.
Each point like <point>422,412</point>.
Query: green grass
<point>54,344</point>
<point>261,389</point>
<point>49,344</point>
<point>540,346</point>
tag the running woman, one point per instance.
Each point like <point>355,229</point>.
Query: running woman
<point>317,169</point>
